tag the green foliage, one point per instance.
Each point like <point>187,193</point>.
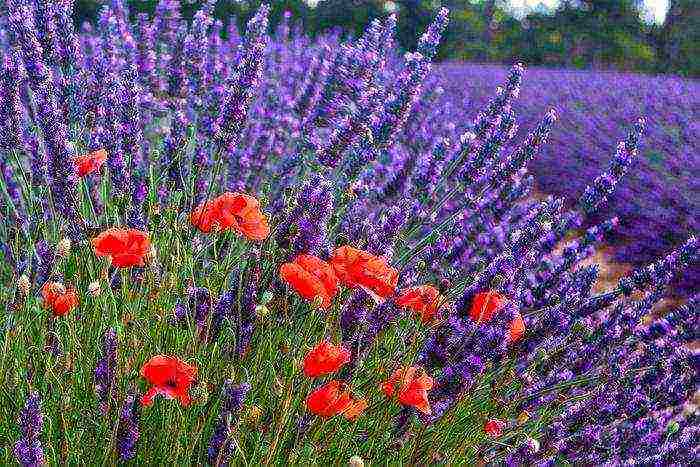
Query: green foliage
<point>589,33</point>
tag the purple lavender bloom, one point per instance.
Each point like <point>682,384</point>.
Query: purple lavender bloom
<point>105,370</point>
<point>245,83</point>
<point>128,432</point>
<point>28,450</point>
<point>232,397</point>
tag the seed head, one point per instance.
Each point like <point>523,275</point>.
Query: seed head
<point>23,284</point>
<point>63,248</point>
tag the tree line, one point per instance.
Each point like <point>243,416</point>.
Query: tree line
<point>600,34</point>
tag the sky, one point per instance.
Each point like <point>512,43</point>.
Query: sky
<point>657,8</point>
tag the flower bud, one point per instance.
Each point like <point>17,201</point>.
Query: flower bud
<point>63,248</point>
<point>261,311</point>
<point>23,284</point>
<point>253,414</point>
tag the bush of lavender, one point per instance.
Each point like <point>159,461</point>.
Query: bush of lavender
<point>260,248</point>
<point>658,202</point>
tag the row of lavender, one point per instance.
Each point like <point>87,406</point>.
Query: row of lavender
<point>345,142</point>
<point>658,203</point>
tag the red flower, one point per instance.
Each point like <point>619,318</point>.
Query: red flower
<point>311,277</point>
<point>355,409</point>
<point>60,300</point>
<point>330,399</point>
<point>494,428</point>
<point>486,304</point>
<point>358,268</point>
<point>517,328</point>
<point>412,385</point>
<point>126,247</point>
<point>423,299</point>
<point>170,377</point>
<point>325,358</point>
<point>90,162</point>
<point>232,211</point>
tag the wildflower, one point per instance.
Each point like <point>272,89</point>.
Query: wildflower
<point>128,430</point>
<point>232,399</point>
<point>517,328</point>
<point>355,409</point>
<point>312,278</point>
<point>324,359</point>
<point>63,247</point>
<point>125,247</point>
<point>494,427</point>
<point>423,299</point>
<point>411,386</point>
<point>356,461</point>
<point>28,449</point>
<point>105,370</point>
<point>330,399</point>
<point>232,211</point>
<point>91,162</point>
<point>358,268</point>
<point>60,300</point>
<point>170,377</point>
<point>23,284</point>
<point>486,304</point>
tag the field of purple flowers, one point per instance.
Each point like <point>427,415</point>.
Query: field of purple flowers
<point>262,248</point>
<point>659,201</point>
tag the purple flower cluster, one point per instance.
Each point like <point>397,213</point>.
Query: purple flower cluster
<point>232,398</point>
<point>105,370</point>
<point>28,450</point>
<point>128,431</point>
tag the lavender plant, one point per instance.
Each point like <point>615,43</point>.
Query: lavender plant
<point>267,248</point>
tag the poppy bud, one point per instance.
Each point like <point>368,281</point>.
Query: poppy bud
<point>23,285</point>
<point>523,417</point>
<point>63,247</point>
<point>261,311</point>
<point>94,288</point>
<point>356,461</point>
<point>253,414</point>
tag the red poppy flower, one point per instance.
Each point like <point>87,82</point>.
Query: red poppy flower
<point>355,409</point>
<point>330,399</point>
<point>517,328</point>
<point>90,162</point>
<point>311,277</point>
<point>235,211</point>
<point>412,385</point>
<point>170,377</point>
<point>60,300</point>
<point>325,358</point>
<point>494,428</point>
<point>423,299</point>
<point>126,247</point>
<point>358,268</point>
<point>485,305</point>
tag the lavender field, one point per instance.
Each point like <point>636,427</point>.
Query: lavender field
<point>261,248</point>
<point>659,200</point>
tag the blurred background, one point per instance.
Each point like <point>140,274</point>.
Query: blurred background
<point>651,36</point>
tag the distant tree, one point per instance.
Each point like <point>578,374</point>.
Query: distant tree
<point>679,38</point>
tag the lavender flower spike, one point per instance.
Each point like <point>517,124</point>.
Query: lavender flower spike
<point>28,449</point>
